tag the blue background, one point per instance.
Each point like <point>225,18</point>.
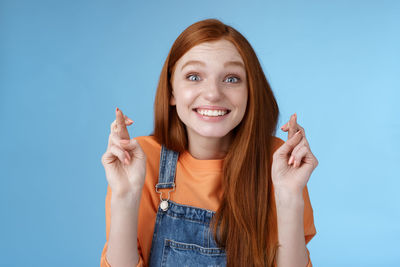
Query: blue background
<point>66,65</point>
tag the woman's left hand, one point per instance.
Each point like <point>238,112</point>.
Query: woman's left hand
<point>293,162</point>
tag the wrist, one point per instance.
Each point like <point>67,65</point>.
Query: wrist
<point>127,199</point>
<point>289,198</point>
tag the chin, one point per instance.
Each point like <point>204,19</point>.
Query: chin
<point>214,133</point>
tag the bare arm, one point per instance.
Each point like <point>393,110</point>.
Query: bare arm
<point>122,244</point>
<point>292,166</point>
<point>125,165</point>
<point>290,210</point>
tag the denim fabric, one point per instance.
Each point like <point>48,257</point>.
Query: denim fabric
<point>182,236</point>
<point>166,175</point>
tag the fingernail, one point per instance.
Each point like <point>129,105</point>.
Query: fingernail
<point>126,161</point>
<point>116,109</point>
<point>298,132</point>
<point>129,121</point>
<point>290,160</point>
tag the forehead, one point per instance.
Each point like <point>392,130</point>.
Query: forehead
<point>221,50</point>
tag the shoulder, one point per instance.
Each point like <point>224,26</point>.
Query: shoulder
<point>276,143</point>
<point>148,141</point>
<point>150,146</point>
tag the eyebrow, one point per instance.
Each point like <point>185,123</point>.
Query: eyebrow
<point>193,62</point>
<point>234,63</point>
<point>226,64</point>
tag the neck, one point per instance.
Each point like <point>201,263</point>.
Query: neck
<point>208,147</point>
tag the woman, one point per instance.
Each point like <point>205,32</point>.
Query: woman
<point>212,186</point>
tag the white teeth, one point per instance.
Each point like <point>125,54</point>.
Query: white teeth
<point>212,113</point>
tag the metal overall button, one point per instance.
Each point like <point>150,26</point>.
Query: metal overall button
<point>164,205</point>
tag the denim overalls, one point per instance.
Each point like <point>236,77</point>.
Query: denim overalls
<point>182,235</point>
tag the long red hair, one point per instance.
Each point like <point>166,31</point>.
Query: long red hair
<point>245,224</point>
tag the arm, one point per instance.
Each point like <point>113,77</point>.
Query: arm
<point>126,224</point>
<point>292,250</point>
<point>292,166</point>
<point>125,165</point>
<point>122,244</point>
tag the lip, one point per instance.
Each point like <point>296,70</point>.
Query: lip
<point>209,118</point>
<point>211,108</point>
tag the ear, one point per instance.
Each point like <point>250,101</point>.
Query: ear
<point>172,101</point>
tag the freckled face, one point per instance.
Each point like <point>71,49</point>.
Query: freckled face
<point>210,89</point>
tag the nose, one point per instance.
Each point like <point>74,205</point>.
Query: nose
<point>212,91</point>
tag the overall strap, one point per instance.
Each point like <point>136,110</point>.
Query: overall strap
<point>168,161</point>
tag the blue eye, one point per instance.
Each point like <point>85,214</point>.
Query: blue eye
<point>232,79</point>
<point>193,77</point>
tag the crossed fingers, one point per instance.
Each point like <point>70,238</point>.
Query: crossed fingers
<point>297,144</point>
<point>292,127</point>
<point>118,129</point>
<point>118,126</point>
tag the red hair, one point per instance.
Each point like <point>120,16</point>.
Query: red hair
<point>245,224</point>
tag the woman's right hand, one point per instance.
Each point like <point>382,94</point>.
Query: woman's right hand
<point>124,160</point>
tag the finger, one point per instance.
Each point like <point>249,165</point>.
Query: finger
<point>114,133</point>
<point>299,128</point>
<point>133,147</point>
<point>299,155</point>
<point>302,143</point>
<point>114,153</point>
<point>121,129</point>
<point>128,144</point>
<point>113,126</point>
<point>294,151</point>
<point>292,125</point>
<point>294,157</point>
<point>120,153</point>
<point>305,155</point>
<point>285,127</point>
<point>285,149</point>
<point>128,121</point>
<point>114,140</point>
<point>127,155</point>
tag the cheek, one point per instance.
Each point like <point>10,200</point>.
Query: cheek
<point>184,97</point>
<point>240,99</point>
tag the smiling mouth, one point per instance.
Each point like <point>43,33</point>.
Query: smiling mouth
<point>211,112</point>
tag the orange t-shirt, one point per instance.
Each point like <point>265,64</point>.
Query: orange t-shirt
<point>198,184</point>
